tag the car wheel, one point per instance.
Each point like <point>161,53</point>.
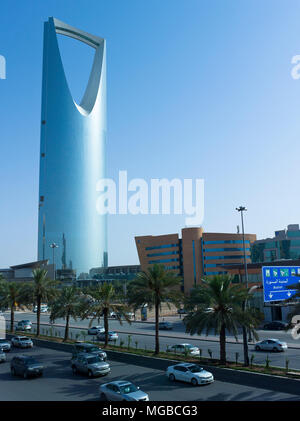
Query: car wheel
<point>13,372</point>
<point>194,382</point>
<point>257,348</point>
<point>275,349</point>
<point>74,369</point>
<point>172,377</point>
<point>103,397</point>
<point>90,374</point>
<point>25,375</point>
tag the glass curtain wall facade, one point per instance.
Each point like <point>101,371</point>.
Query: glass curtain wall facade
<point>72,158</point>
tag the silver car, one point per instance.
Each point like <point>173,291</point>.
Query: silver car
<point>2,356</point>
<point>184,349</point>
<point>122,391</point>
<point>5,345</point>
<point>271,345</point>
<point>22,342</point>
<point>190,373</point>
<point>89,364</point>
<point>112,336</point>
<point>95,330</point>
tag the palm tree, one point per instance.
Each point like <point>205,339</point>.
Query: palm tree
<point>218,304</point>
<point>65,306</point>
<point>101,301</point>
<point>42,289</point>
<point>11,295</point>
<point>153,287</point>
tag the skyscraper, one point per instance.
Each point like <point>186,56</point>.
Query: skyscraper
<point>72,157</point>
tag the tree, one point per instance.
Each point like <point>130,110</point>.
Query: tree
<point>65,306</point>
<point>12,294</point>
<point>42,289</point>
<point>101,301</point>
<point>153,287</point>
<point>218,304</point>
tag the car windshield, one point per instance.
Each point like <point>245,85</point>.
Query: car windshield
<point>93,349</point>
<point>30,361</point>
<point>195,369</point>
<point>128,388</point>
<point>24,339</point>
<point>189,346</point>
<point>93,360</point>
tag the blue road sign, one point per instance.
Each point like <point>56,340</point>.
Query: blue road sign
<point>276,279</point>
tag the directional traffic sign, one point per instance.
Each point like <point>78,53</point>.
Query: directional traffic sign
<point>276,279</point>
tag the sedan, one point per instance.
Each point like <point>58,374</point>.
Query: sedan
<point>184,349</point>
<point>22,342</point>
<point>2,356</point>
<point>112,336</point>
<point>95,330</point>
<point>5,345</point>
<point>271,345</point>
<point>190,373</point>
<point>122,391</point>
<point>276,325</point>
<point>165,326</point>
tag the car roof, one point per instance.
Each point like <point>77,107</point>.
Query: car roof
<point>22,337</point>
<point>185,364</point>
<point>120,382</point>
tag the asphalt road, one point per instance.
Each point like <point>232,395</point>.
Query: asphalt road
<point>143,334</point>
<point>59,384</point>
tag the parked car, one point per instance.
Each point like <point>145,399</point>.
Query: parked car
<point>89,349</point>
<point>95,330</point>
<point>23,325</point>
<point>111,336</point>
<point>271,345</point>
<point>165,326</point>
<point>121,390</point>
<point>2,356</point>
<point>184,349</point>
<point>89,364</point>
<point>190,373</point>
<point>5,345</point>
<point>26,366</point>
<point>276,325</point>
<point>44,308</point>
<point>22,342</point>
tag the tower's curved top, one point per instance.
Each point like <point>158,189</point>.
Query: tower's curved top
<point>89,98</point>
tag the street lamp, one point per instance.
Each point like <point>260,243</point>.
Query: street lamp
<point>246,355</point>
<point>54,246</point>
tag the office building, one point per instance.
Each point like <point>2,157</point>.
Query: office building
<point>195,254</point>
<point>72,160</point>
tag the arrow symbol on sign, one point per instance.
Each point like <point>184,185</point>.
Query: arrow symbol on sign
<point>270,295</point>
<point>289,294</point>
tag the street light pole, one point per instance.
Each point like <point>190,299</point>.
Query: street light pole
<point>245,343</point>
<point>54,246</point>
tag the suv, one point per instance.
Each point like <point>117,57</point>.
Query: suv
<point>5,345</point>
<point>26,366</point>
<point>89,364</point>
<point>80,348</point>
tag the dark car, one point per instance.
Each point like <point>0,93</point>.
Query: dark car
<point>26,366</point>
<point>165,326</point>
<point>89,349</point>
<point>276,325</point>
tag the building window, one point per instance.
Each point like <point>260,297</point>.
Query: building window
<point>164,246</point>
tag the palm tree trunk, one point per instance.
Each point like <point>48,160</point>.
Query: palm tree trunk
<point>38,316</point>
<point>156,328</point>
<point>12,317</point>
<point>105,317</point>
<point>67,328</point>
<point>223,344</point>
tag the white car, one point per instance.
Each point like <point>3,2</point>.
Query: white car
<point>190,373</point>
<point>22,342</point>
<point>184,349</point>
<point>271,345</point>
<point>112,336</point>
<point>95,330</point>
<point>122,391</point>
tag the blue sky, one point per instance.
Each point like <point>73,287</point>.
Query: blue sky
<point>196,89</point>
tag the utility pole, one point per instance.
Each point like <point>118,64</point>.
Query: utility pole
<point>245,342</point>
